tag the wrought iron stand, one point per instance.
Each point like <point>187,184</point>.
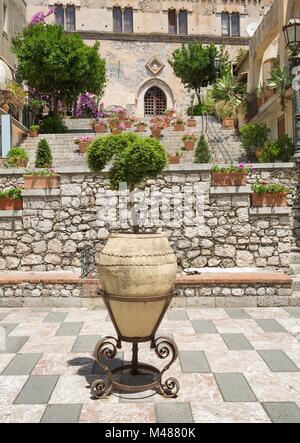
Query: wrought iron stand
<point>107,347</point>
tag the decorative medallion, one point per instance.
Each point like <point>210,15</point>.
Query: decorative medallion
<point>155,66</point>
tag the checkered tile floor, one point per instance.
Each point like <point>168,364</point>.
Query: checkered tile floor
<point>235,365</point>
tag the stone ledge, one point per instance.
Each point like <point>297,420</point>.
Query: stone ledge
<point>29,193</point>
<point>230,190</point>
<point>59,277</point>
<point>270,211</point>
<point>11,214</point>
<point>221,278</point>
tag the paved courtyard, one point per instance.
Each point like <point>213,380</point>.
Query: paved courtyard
<point>235,365</point>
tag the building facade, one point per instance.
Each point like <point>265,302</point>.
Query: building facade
<point>12,20</point>
<point>137,38</point>
<point>268,47</point>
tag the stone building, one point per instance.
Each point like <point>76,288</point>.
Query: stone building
<point>12,20</point>
<point>138,36</point>
<point>267,47</point>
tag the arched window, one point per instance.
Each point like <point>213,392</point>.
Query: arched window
<point>70,18</point>
<point>128,20</point>
<point>59,15</point>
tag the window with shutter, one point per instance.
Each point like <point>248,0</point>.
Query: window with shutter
<point>70,16</point>
<point>117,19</point>
<point>172,21</point>
<point>128,20</point>
<point>183,22</point>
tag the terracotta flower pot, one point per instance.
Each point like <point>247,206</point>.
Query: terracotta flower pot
<point>268,200</point>
<point>229,123</point>
<point>83,147</point>
<point>10,204</point>
<point>228,179</point>
<point>179,127</point>
<point>100,128</point>
<point>41,181</point>
<point>141,128</point>
<point>6,107</point>
<point>128,124</point>
<point>191,123</point>
<point>33,134</point>
<point>174,159</point>
<point>116,131</point>
<point>156,132</point>
<point>189,145</point>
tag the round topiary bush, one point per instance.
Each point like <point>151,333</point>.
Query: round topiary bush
<point>17,157</point>
<point>134,160</point>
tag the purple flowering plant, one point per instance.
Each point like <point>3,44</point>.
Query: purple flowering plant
<point>40,17</point>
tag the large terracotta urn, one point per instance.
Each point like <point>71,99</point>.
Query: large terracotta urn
<point>137,274</point>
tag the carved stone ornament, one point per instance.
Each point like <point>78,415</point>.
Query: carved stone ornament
<point>155,66</point>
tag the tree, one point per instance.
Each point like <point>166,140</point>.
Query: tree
<point>194,65</point>
<point>43,157</point>
<point>58,64</point>
<point>202,153</point>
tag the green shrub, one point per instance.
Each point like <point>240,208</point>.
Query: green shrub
<point>281,150</point>
<point>53,125</point>
<point>134,160</point>
<point>254,136</point>
<point>16,157</point>
<point>14,193</point>
<point>202,153</point>
<point>269,188</point>
<point>43,157</point>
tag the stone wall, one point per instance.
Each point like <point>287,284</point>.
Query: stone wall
<point>56,226</point>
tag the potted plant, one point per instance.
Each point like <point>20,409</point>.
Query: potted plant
<point>189,140</point>
<point>230,175</point>
<point>141,125</point>
<point>157,124</point>
<point>254,137</point>
<point>137,270</point>
<point>178,124</point>
<point>226,113</point>
<point>33,130</point>
<point>202,153</point>
<point>42,179</point>
<point>11,199</point>
<point>191,122</point>
<point>99,126</point>
<point>169,113</point>
<point>129,121</point>
<point>268,195</point>
<point>17,158</point>
<point>83,143</point>
<point>174,159</point>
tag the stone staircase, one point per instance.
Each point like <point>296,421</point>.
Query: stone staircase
<point>225,145</point>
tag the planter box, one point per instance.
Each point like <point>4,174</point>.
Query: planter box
<point>229,123</point>
<point>100,128</point>
<point>189,145</point>
<point>10,204</point>
<point>228,179</point>
<point>41,182</point>
<point>178,127</point>
<point>141,128</point>
<point>156,132</point>
<point>174,159</point>
<point>268,200</point>
<point>191,123</point>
